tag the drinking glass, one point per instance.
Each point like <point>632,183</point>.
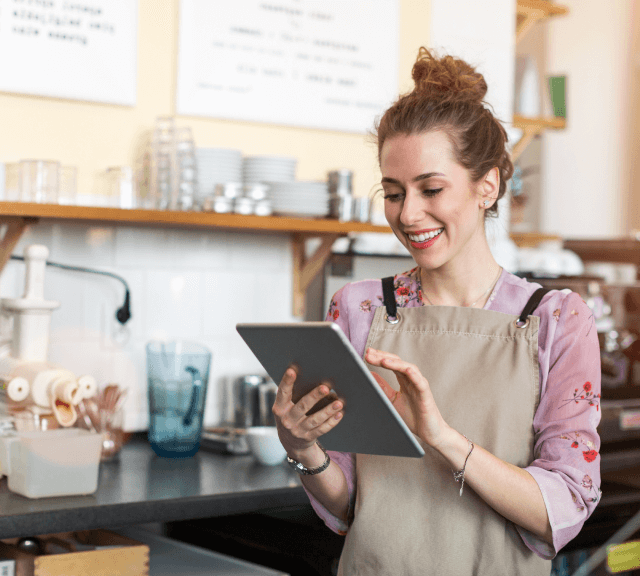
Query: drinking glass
<point>121,189</point>
<point>39,181</point>
<point>177,373</point>
<point>68,188</point>
<point>12,182</point>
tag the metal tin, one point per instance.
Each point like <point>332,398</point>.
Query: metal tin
<point>341,207</point>
<point>340,182</point>
<point>362,209</point>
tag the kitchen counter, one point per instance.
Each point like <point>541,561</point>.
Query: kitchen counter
<point>140,487</point>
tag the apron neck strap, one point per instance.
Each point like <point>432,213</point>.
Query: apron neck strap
<point>532,304</point>
<point>389,299</point>
<point>389,296</point>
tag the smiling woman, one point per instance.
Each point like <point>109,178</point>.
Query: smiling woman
<point>481,365</point>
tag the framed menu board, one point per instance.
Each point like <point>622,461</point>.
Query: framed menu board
<point>329,64</point>
<point>76,49</point>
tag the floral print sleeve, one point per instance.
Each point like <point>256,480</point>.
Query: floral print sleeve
<point>566,462</point>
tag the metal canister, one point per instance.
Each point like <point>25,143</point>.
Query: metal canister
<point>267,392</point>
<point>340,182</point>
<point>362,209</point>
<point>246,400</point>
<point>341,207</point>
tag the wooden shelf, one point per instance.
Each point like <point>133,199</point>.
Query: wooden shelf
<point>19,215</point>
<point>529,12</point>
<point>532,239</point>
<point>309,226</point>
<point>531,128</point>
<point>619,250</point>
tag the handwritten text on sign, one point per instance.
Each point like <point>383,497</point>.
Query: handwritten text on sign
<point>328,64</point>
<point>82,50</point>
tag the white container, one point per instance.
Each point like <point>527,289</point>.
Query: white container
<point>265,445</point>
<point>527,97</point>
<point>61,462</point>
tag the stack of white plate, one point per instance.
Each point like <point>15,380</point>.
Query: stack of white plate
<point>268,169</point>
<point>302,198</point>
<point>217,166</point>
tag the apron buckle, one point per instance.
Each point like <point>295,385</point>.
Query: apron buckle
<point>392,319</point>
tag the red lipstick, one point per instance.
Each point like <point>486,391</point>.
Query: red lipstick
<point>426,243</point>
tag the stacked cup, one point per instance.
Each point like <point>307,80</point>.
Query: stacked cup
<point>187,170</point>
<point>164,163</point>
<point>174,171</point>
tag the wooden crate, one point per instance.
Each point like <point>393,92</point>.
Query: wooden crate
<point>127,558</point>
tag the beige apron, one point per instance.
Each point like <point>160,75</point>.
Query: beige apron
<point>409,518</point>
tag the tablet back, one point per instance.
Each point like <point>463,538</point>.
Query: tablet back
<point>322,353</point>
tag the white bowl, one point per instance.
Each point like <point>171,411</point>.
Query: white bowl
<point>265,445</point>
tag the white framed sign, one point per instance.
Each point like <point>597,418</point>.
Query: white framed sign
<point>328,64</point>
<point>75,49</point>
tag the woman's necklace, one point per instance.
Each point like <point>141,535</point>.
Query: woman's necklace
<point>493,283</point>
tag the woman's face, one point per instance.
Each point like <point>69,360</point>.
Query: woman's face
<point>430,202</point>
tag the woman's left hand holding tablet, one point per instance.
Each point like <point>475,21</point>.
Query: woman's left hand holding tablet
<point>414,401</point>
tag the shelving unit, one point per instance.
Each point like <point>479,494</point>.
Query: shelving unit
<point>19,215</point>
<point>528,13</point>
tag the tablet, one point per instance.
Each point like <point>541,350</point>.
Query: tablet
<point>322,353</point>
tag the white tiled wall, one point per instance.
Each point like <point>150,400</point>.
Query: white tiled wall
<point>185,284</point>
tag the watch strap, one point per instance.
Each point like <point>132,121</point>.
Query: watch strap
<point>304,471</point>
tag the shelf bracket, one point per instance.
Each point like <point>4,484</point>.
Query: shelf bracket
<point>15,228</point>
<point>529,20</point>
<point>529,133</point>
<point>306,269</point>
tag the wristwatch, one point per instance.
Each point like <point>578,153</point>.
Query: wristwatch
<point>303,470</point>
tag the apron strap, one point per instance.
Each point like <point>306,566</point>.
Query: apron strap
<point>531,305</point>
<point>389,297</point>
<point>389,300</point>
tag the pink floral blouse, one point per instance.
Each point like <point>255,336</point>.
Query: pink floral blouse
<point>567,462</point>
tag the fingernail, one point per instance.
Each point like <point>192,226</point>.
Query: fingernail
<point>338,416</point>
<point>337,405</point>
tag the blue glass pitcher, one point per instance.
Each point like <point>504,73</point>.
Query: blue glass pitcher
<point>178,373</point>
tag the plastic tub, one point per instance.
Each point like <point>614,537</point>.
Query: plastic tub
<point>62,462</point>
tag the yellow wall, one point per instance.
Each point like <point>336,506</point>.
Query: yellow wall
<point>95,136</point>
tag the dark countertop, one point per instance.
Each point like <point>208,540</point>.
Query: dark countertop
<point>141,487</point>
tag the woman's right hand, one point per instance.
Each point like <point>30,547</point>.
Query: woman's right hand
<point>297,431</point>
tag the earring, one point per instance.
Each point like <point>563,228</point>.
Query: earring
<point>485,203</point>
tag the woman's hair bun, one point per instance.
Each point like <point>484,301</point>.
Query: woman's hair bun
<point>447,79</point>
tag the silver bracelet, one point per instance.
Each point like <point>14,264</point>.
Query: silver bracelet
<point>459,476</point>
<point>303,470</point>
